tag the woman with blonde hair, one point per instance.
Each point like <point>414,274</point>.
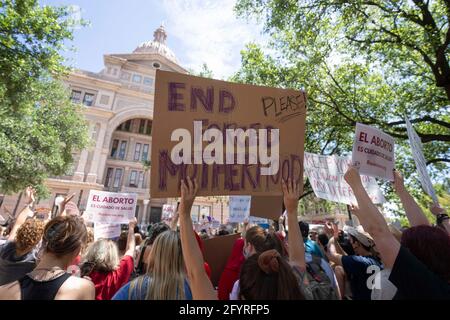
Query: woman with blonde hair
<point>102,264</point>
<point>165,278</point>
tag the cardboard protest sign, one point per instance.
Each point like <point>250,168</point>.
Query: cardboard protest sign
<point>111,207</point>
<point>217,251</point>
<point>326,176</point>
<point>106,231</point>
<point>221,133</point>
<point>266,207</point>
<point>255,208</point>
<point>419,159</point>
<point>373,152</point>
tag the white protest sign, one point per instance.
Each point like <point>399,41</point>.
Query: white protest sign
<point>419,159</point>
<point>106,231</point>
<point>373,152</point>
<point>258,220</point>
<point>239,208</point>
<point>168,211</point>
<point>111,207</point>
<point>326,176</point>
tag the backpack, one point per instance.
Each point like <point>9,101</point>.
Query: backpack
<point>318,286</point>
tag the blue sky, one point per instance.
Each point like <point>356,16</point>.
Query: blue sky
<point>198,31</point>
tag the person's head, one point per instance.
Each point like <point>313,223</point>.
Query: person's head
<point>258,240</point>
<point>431,245</point>
<point>155,230</point>
<point>361,242</point>
<point>223,232</point>
<point>323,239</point>
<point>313,235</point>
<point>64,237</point>
<point>204,236</point>
<point>304,228</point>
<point>29,234</point>
<point>122,242</point>
<point>268,276</point>
<point>102,256</point>
<point>166,268</point>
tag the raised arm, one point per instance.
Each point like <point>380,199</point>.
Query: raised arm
<point>334,251</point>
<point>291,194</point>
<point>413,212</point>
<point>201,286</point>
<point>131,241</point>
<point>372,220</point>
<point>24,214</point>
<point>62,205</point>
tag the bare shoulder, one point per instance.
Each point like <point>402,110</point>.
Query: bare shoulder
<point>75,288</point>
<point>10,291</point>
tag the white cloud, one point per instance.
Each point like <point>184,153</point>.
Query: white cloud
<point>209,32</point>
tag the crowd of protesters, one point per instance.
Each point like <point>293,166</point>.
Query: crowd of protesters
<point>58,259</point>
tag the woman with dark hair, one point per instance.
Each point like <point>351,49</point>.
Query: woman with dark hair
<point>431,245</point>
<point>63,239</point>
<point>411,276</point>
<point>268,276</point>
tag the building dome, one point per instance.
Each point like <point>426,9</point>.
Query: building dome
<point>158,45</point>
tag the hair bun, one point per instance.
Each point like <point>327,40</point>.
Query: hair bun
<point>268,261</point>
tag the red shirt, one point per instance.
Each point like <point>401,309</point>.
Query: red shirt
<point>107,284</point>
<point>231,272</point>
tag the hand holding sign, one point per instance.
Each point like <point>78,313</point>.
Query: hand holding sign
<point>398,184</point>
<point>436,209</point>
<point>352,177</point>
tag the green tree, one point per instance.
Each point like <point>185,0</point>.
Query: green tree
<point>371,62</point>
<point>204,72</point>
<point>40,128</point>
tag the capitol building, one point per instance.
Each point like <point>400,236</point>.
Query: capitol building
<point>118,105</point>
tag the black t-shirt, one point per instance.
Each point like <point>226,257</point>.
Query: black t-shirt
<point>415,281</point>
<point>358,272</point>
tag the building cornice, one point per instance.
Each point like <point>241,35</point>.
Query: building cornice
<point>128,58</point>
<point>62,183</point>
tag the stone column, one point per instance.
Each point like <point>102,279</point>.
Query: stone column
<point>79,171</point>
<point>92,175</point>
<point>143,217</point>
<point>102,165</point>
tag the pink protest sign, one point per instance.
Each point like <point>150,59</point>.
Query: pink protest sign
<point>111,207</point>
<point>373,152</point>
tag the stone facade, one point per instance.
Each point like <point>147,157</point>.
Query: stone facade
<point>118,105</point>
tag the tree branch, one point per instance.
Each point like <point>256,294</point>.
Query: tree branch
<point>438,160</point>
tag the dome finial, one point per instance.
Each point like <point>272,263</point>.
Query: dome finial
<point>160,34</point>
